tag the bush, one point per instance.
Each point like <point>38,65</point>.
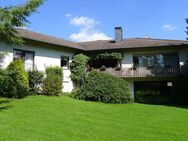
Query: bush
<point>52,84</point>
<point>35,78</point>
<point>75,92</point>
<point>78,69</point>
<point>4,79</point>
<point>105,88</point>
<point>180,91</point>
<point>16,80</point>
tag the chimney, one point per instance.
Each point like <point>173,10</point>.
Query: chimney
<point>118,34</point>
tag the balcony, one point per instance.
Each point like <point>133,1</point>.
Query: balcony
<point>143,72</point>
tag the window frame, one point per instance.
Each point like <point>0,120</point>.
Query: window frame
<point>25,51</point>
<point>67,61</point>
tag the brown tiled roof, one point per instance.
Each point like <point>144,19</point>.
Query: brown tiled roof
<point>27,34</point>
<point>101,44</point>
<point>131,43</point>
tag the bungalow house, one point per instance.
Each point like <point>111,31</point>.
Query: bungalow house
<point>146,63</point>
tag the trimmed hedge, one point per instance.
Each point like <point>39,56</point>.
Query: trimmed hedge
<point>14,80</point>
<point>35,78</point>
<point>105,88</point>
<point>52,84</point>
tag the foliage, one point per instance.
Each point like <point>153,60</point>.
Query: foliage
<point>110,55</point>
<point>35,78</point>
<point>11,17</point>
<point>105,88</point>
<point>78,69</point>
<point>75,92</point>
<point>15,80</point>
<point>54,71</point>
<point>180,90</point>
<point>187,27</point>
<point>4,85</point>
<point>52,84</point>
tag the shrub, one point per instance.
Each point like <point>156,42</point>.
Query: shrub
<point>52,84</point>
<point>4,78</point>
<point>16,80</point>
<point>105,88</point>
<point>75,92</point>
<point>78,69</point>
<point>35,78</point>
<point>180,91</point>
<point>54,71</point>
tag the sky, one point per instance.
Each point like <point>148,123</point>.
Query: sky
<point>86,20</point>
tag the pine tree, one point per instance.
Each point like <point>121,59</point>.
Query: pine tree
<point>16,16</point>
<point>187,27</point>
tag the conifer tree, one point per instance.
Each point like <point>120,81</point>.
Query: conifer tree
<point>16,16</point>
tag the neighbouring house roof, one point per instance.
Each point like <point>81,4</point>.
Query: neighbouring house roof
<point>101,44</point>
<point>27,34</point>
<point>131,43</point>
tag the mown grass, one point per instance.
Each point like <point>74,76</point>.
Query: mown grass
<point>40,118</point>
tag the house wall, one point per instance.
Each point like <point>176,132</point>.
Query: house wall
<point>44,57</point>
<point>127,62</point>
<point>131,87</point>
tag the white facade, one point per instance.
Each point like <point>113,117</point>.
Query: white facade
<point>49,56</point>
<point>43,57</point>
<point>127,62</point>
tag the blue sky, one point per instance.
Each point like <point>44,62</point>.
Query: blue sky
<point>82,20</point>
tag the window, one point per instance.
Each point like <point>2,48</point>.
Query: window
<point>27,56</point>
<point>65,61</point>
<point>158,60</point>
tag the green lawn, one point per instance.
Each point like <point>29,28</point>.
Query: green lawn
<point>40,118</point>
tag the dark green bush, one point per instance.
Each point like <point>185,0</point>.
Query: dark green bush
<point>78,69</point>
<point>180,91</point>
<point>105,88</point>
<point>16,80</point>
<point>54,71</point>
<point>52,84</point>
<point>4,79</point>
<point>35,78</point>
<point>75,92</point>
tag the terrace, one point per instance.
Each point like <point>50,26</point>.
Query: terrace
<point>157,65</point>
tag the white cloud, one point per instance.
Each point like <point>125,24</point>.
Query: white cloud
<point>87,30</point>
<point>84,22</point>
<point>68,15</point>
<point>169,27</point>
<point>87,35</point>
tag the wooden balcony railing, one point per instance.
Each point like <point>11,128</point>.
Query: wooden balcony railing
<point>143,72</point>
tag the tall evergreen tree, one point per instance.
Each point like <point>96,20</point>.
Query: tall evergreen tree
<point>187,27</point>
<point>16,16</point>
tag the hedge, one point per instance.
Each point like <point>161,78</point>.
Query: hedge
<point>105,88</point>
<point>52,84</point>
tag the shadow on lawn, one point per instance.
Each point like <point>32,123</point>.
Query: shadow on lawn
<point>177,106</point>
<point>5,104</point>
<point>167,105</point>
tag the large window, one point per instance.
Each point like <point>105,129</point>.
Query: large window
<point>158,60</point>
<point>27,56</point>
